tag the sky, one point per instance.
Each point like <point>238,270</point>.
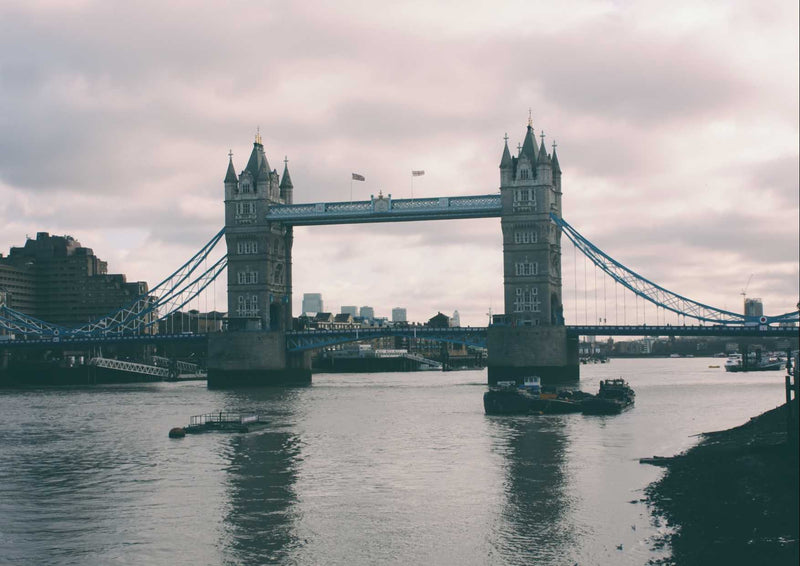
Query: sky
<point>676,124</point>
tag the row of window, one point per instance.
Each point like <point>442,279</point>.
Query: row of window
<point>248,277</point>
<point>526,237</point>
<point>245,207</point>
<point>527,268</point>
<point>247,247</point>
<point>248,305</point>
<point>525,196</point>
<point>526,299</point>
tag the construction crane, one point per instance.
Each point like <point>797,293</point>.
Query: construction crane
<point>744,289</point>
<point>744,293</point>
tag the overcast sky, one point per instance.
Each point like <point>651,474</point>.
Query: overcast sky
<point>676,123</point>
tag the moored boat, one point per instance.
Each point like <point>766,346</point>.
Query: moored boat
<point>220,421</point>
<point>736,363</point>
<point>506,398</point>
<point>614,396</point>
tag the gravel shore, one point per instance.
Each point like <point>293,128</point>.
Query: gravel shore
<point>733,498</point>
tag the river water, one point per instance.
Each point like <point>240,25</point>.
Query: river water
<point>392,468</point>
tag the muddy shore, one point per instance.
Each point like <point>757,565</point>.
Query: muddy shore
<point>733,498</point>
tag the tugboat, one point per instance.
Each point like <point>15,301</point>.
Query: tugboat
<point>528,399</point>
<point>615,395</point>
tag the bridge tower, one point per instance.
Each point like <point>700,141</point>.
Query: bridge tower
<point>253,351</point>
<point>531,337</point>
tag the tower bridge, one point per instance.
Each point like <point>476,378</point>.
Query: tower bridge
<point>260,345</point>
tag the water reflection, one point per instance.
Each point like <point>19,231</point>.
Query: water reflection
<point>260,519</point>
<point>534,524</point>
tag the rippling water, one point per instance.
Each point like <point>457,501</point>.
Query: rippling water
<point>400,468</point>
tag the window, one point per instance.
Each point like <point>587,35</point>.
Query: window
<point>525,198</point>
<point>243,208</point>
<point>527,299</point>
<point>247,277</point>
<point>525,237</point>
<point>248,305</point>
<point>247,247</point>
<point>524,268</point>
<point>246,187</point>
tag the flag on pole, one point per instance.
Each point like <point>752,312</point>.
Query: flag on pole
<point>357,177</point>
<point>417,173</point>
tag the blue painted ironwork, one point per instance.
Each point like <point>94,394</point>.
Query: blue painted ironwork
<point>169,296</point>
<point>660,296</point>
<point>386,209</point>
<point>476,336</point>
<point>297,341</point>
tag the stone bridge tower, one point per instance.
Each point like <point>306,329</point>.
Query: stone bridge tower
<point>259,253</point>
<point>253,350</point>
<point>531,339</point>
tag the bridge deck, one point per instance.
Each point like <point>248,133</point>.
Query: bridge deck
<point>386,209</point>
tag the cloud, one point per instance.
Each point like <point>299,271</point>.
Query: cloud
<point>676,125</point>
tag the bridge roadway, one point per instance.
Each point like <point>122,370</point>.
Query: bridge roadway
<point>301,340</point>
<point>386,209</point>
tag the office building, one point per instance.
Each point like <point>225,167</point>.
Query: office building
<point>57,280</point>
<point>399,315</point>
<point>312,303</point>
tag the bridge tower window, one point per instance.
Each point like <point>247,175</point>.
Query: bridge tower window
<point>527,299</point>
<point>525,268</point>
<point>525,237</point>
<point>248,277</point>
<point>247,247</point>
<point>248,305</point>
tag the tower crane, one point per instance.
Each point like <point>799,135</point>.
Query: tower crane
<point>744,289</point>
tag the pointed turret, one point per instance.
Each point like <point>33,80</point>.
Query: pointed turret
<point>543,157</point>
<point>230,176</point>
<point>529,145</point>
<point>286,180</point>
<point>258,161</point>
<point>505,161</point>
<point>286,187</point>
<point>556,167</point>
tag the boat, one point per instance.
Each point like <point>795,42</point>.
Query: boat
<point>754,363</point>
<point>615,395</point>
<point>219,421</point>
<point>529,398</point>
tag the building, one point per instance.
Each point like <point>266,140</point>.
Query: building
<point>57,280</point>
<point>259,254</point>
<point>399,314</point>
<point>456,319</point>
<point>312,303</point>
<point>530,190</point>
<point>351,310</point>
<point>753,307</point>
<point>367,313</point>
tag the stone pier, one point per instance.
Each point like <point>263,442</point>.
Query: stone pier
<point>544,351</point>
<point>255,358</point>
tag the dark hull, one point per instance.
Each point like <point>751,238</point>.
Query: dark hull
<point>597,406</point>
<point>513,402</point>
<point>767,367</point>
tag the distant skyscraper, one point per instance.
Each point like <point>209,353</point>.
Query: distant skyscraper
<point>456,320</point>
<point>399,315</point>
<point>367,312</point>
<point>753,307</point>
<point>312,303</point>
<point>350,310</point>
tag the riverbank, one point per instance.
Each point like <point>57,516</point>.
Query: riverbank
<point>733,498</point>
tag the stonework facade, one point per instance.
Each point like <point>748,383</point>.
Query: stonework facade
<point>530,190</point>
<point>259,252</point>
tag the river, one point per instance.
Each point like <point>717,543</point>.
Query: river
<point>384,468</point>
